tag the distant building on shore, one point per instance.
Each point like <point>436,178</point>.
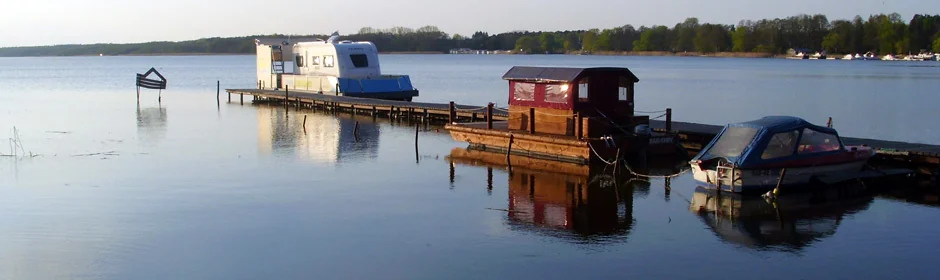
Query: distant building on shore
<point>472,51</point>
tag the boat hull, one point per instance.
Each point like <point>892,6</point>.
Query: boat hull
<point>762,180</point>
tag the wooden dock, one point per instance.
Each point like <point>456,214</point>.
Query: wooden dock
<point>922,158</point>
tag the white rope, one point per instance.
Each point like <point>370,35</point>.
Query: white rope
<point>654,176</point>
<point>599,156</point>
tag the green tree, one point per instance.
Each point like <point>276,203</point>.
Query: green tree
<point>686,32</point>
<point>936,45</point>
<point>653,39</point>
<point>589,41</point>
<point>548,42</point>
<point>832,42</point>
<point>528,44</point>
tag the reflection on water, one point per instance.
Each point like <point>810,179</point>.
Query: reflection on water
<point>576,203</point>
<point>151,124</point>
<point>321,138</point>
<point>791,223</point>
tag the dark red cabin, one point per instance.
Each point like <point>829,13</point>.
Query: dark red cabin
<point>552,100</point>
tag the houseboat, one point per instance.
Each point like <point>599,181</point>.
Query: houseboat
<point>580,115</point>
<point>750,156</point>
<point>329,67</point>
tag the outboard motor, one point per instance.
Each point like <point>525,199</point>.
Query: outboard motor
<point>642,133</point>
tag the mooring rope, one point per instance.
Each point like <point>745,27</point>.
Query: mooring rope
<point>650,112</point>
<point>627,166</point>
<point>599,156</point>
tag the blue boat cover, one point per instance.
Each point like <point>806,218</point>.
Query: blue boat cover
<point>376,85</point>
<point>744,143</point>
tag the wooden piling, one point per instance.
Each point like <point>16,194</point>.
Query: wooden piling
<point>668,119</point>
<point>489,179</point>
<point>579,125</point>
<point>356,130</point>
<point>531,120</point>
<point>452,113</point>
<point>512,138</point>
<point>305,124</point>
<point>218,90</point>
<point>489,116</point>
<point>241,99</point>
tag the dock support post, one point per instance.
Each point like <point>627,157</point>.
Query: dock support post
<point>579,125</point>
<point>531,120</point>
<point>452,113</point>
<point>489,180</point>
<point>426,116</point>
<point>512,138</point>
<point>218,90</point>
<point>473,117</point>
<point>417,128</point>
<point>668,119</point>
<point>286,97</point>
<point>373,111</point>
<point>229,96</point>
<point>138,94</point>
<point>489,117</point>
<point>241,98</point>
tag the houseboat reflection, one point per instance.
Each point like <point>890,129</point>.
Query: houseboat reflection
<point>326,138</point>
<point>574,202</point>
<point>790,223</point>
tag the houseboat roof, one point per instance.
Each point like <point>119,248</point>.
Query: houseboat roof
<point>285,40</point>
<point>562,74</point>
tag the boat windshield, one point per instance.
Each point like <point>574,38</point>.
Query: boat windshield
<point>732,142</point>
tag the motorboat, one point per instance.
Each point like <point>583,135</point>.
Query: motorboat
<point>751,156</point>
<point>848,57</point>
<point>888,57</point>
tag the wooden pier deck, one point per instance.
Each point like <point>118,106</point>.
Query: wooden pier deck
<point>923,158</point>
<point>433,111</point>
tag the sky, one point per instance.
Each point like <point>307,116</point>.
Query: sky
<point>49,22</point>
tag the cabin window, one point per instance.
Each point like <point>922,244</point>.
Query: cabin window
<point>556,93</point>
<point>622,94</point>
<point>523,91</point>
<point>315,60</point>
<point>328,61</point>
<point>732,142</point>
<point>300,60</point>
<point>781,145</point>
<point>583,90</point>
<point>817,142</point>
<point>359,60</point>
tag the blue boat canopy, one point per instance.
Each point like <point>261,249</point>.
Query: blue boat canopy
<point>771,140</point>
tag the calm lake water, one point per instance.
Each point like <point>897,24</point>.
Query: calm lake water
<point>188,189</point>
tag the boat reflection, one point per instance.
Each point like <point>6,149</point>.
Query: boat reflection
<point>151,124</point>
<point>322,137</point>
<point>791,223</point>
<point>574,202</point>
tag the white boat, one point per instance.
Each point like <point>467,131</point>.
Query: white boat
<point>331,66</point>
<point>751,156</point>
<point>848,57</point>
<point>888,57</point>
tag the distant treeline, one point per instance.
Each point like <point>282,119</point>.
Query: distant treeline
<point>880,34</point>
